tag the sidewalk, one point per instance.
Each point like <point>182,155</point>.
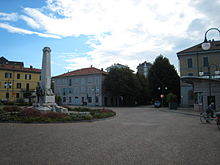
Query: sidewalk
<point>185,111</point>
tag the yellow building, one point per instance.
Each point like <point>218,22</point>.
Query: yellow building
<point>16,81</point>
<point>198,67</point>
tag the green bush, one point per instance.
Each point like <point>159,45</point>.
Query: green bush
<point>80,109</point>
<point>171,98</point>
<point>103,115</point>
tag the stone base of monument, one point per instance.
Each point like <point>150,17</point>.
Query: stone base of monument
<point>48,108</point>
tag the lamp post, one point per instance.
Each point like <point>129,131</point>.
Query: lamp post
<point>162,93</point>
<point>206,45</point>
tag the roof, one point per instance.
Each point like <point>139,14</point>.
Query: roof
<point>191,79</point>
<point>19,68</point>
<point>83,71</point>
<point>215,46</point>
<point>145,62</point>
<point>3,60</point>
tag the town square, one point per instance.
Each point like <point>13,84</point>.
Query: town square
<point>139,135</point>
<point>120,82</point>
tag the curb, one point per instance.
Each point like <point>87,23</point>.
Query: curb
<point>180,112</point>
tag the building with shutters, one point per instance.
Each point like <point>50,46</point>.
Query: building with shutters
<point>16,81</point>
<point>81,87</point>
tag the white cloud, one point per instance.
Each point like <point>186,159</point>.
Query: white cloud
<point>8,17</point>
<point>121,31</point>
<point>24,31</point>
<point>31,22</point>
<point>134,27</point>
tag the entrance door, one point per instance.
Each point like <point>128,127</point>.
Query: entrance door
<point>211,99</point>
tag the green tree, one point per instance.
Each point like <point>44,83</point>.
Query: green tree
<point>122,84</point>
<point>144,96</point>
<point>163,78</point>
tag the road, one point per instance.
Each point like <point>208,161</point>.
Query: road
<point>136,136</point>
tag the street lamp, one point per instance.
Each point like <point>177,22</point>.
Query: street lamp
<point>162,93</point>
<point>206,45</point>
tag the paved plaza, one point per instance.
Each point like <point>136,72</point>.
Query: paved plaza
<point>136,136</point>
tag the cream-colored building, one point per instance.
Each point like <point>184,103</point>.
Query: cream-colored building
<point>81,87</point>
<point>198,65</point>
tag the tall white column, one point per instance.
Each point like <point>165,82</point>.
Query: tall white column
<point>45,82</point>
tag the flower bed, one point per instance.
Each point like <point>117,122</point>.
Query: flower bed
<point>30,115</point>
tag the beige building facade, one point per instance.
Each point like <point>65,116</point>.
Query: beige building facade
<point>199,66</point>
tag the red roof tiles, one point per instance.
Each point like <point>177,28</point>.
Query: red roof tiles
<point>83,71</point>
<point>19,68</point>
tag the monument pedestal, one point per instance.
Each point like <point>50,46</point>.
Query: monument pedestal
<point>49,100</point>
<point>45,96</point>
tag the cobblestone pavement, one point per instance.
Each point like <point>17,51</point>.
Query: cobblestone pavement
<point>136,136</point>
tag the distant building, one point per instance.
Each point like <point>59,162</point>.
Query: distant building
<point>144,68</point>
<point>17,81</point>
<point>116,66</point>
<point>81,87</point>
<point>200,89</point>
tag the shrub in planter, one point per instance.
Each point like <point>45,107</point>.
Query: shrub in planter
<point>172,100</point>
<point>80,109</point>
<point>88,117</point>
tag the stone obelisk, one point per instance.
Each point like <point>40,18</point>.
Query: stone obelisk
<point>47,98</point>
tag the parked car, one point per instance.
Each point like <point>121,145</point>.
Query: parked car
<point>157,104</point>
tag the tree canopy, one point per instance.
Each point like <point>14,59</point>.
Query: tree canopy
<point>122,83</point>
<point>163,78</point>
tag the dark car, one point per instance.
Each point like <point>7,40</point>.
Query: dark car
<point>157,104</point>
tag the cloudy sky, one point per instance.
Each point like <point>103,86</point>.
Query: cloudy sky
<point>103,32</point>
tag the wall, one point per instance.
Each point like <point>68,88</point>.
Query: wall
<point>35,78</point>
<point>75,90</point>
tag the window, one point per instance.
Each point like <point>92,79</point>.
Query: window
<point>17,95</point>
<point>64,99</point>
<point>89,99</point>
<point>205,61</point>
<point>19,85</point>
<point>64,91</point>
<point>190,74</point>
<point>8,75</point>
<point>8,84</point>
<point>189,63</point>
<point>96,99</point>
<point>27,87</point>
<point>7,95</point>
<point>18,76</point>
<point>70,82</point>
<point>70,90</point>
<point>70,100</point>
<point>28,76</point>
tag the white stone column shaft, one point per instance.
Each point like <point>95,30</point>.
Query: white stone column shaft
<point>46,69</point>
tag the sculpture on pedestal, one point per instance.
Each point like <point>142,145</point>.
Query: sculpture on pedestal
<point>45,97</point>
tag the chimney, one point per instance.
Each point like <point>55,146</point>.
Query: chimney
<point>31,66</point>
<point>101,69</point>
